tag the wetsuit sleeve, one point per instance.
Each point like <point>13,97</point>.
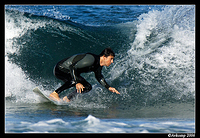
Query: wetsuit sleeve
<point>100,78</point>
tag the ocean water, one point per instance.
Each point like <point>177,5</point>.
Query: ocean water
<point>154,68</point>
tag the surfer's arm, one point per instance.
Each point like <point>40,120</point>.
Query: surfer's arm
<point>103,82</point>
<point>101,79</point>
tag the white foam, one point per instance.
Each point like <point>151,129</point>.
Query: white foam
<point>164,40</point>
<point>96,126</point>
<point>92,120</point>
<point>55,120</point>
<point>17,85</point>
<point>144,131</point>
<point>92,124</point>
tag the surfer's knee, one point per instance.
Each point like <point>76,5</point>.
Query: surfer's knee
<point>88,87</point>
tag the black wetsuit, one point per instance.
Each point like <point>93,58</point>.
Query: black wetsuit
<point>69,70</point>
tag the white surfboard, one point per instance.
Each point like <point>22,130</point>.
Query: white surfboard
<point>38,92</point>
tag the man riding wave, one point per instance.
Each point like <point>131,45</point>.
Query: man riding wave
<point>69,69</point>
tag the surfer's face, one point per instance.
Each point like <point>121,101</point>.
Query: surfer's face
<point>108,60</point>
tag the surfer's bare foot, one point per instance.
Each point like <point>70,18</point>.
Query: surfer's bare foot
<point>66,99</point>
<point>54,96</point>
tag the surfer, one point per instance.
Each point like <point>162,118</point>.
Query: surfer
<point>68,70</point>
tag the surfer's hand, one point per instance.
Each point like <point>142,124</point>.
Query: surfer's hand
<point>79,87</point>
<point>113,90</point>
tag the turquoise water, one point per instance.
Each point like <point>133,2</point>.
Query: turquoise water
<point>154,68</point>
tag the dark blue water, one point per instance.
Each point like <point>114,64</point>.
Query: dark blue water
<point>154,67</point>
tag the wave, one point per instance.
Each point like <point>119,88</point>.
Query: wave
<point>154,62</point>
<point>159,66</point>
<point>92,124</point>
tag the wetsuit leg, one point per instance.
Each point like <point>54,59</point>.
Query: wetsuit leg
<point>65,86</point>
<point>65,77</point>
<point>87,88</point>
<point>71,95</point>
<point>86,84</point>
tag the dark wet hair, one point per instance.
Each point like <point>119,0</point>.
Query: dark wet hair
<point>107,52</point>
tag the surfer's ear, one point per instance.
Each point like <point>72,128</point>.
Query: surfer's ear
<point>104,57</point>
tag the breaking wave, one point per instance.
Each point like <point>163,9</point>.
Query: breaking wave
<point>155,56</point>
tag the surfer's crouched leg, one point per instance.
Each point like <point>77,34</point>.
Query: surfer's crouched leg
<point>87,88</point>
<point>65,86</point>
<point>65,77</point>
<point>55,95</point>
<point>70,96</point>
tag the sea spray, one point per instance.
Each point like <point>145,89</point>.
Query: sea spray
<point>160,63</point>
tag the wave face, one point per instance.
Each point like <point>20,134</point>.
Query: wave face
<point>155,56</point>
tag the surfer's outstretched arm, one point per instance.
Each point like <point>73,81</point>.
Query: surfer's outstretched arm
<point>103,82</point>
